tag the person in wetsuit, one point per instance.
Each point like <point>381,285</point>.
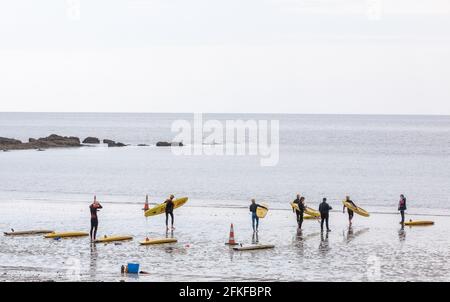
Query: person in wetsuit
<point>169,211</point>
<point>402,208</point>
<point>94,207</point>
<point>300,201</point>
<point>255,219</point>
<point>350,212</point>
<point>324,209</point>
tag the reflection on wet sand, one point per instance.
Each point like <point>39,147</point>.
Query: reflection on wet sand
<point>324,246</point>
<point>352,235</point>
<point>402,234</point>
<point>93,261</point>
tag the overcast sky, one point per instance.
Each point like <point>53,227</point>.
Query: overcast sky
<point>297,56</point>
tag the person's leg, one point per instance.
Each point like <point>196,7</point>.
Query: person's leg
<point>253,221</point>
<point>167,220</point>
<point>402,213</point>
<point>257,223</point>
<point>92,229</point>
<point>298,218</point>
<point>300,222</point>
<point>326,219</point>
<point>322,219</point>
<point>95,231</point>
<point>171,216</point>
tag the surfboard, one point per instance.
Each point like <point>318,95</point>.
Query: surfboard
<point>357,210</point>
<point>107,239</point>
<point>261,212</point>
<point>254,247</point>
<point>309,211</point>
<point>151,241</point>
<point>66,234</point>
<point>161,208</point>
<point>419,223</point>
<point>309,217</point>
<point>31,232</point>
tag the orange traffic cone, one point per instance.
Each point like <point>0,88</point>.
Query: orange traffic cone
<point>231,240</point>
<point>146,203</point>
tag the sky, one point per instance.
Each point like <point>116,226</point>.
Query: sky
<point>255,56</point>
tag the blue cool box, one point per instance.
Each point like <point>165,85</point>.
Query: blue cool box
<point>133,268</point>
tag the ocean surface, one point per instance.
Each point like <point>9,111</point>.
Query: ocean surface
<point>373,159</point>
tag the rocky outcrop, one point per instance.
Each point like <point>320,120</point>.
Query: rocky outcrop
<point>52,141</point>
<point>169,144</point>
<point>112,143</point>
<point>9,141</point>
<point>91,140</point>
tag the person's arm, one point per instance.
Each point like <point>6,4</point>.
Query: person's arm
<point>258,205</point>
<point>99,206</point>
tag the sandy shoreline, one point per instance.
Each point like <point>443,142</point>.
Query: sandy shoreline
<point>375,249</point>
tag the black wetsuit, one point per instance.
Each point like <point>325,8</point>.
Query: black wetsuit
<point>402,209</point>
<point>299,212</point>
<point>169,211</point>
<point>324,209</point>
<point>94,220</point>
<point>350,212</point>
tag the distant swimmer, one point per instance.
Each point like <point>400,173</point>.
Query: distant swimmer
<point>169,211</point>
<point>402,208</point>
<point>94,207</point>
<point>350,212</point>
<point>255,219</point>
<point>300,202</point>
<point>324,209</point>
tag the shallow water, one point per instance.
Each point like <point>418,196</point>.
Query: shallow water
<point>374,250</point>
<point>372,158</point>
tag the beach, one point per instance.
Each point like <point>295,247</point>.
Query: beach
<point>373,159</point>
<point>374,250</point>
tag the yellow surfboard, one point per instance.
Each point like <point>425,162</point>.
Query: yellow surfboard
<point>66,234</point>
<point>107,239</point>
<point>309,211</point>
<point>161,208</point>
<point>357,210</point>
<point>151,241</point>
<point>419,223</point>
<point>261,212</point>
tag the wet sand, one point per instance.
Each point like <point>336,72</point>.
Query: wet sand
<point>375,249</point>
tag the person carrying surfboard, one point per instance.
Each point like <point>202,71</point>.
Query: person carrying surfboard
<point>169,211</point>
<point>300,201</point>
<point>255,219</point>
<point>350,212</point>
<point>402,208</point>
<point>324,209</point>
<point>94,207</point>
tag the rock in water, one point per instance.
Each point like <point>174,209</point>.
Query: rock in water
<point>91,140</point>
<point>9,141</point>
<point>52,141</point>
<point>169,144</point>
<point>112,143</point>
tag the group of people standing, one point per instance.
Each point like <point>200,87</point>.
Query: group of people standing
<point>324,210</point>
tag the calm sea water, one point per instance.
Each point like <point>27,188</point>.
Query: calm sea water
<point>372,158</point>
